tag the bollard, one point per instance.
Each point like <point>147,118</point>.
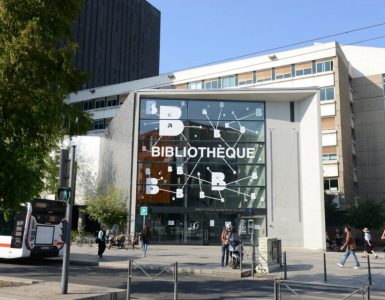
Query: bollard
<point>325,274</point>
<point>253,260</point>
<point>275,289</point>
<point>176,281</point>
<point>284,266</point>
<point>369,271</point>
<point>129,279</point>
<point>241,259</point>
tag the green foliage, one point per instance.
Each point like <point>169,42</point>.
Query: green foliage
<point>36,75</point>
<point>108,208</point>
<point>51,183</point>
<point>331,211</point>
<point>369,214</point>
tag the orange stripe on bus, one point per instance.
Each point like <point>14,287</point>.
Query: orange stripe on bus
<point>5,245</point>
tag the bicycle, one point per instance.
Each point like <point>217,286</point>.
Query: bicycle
<point>82,239</point>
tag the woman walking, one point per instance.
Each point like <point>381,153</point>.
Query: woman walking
<point>146,237</point>
<point>368,247</point>
<point>350,244</point>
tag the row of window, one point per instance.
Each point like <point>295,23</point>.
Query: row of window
<point>264,75</point>
<point>100,124</point>
<point>328,157</point>
<point>101,102</point>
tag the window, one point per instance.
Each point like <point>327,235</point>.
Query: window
<point>327,93</point>
<point>112,101</point>
<point>283,72</point>
<point>324,66</point>
<point>181,86</point>
<point>264,75</point>
<point>331,184</point>
<point>211,84</point>
<point>99,124</point>
<point>196,85</point>
<point>383,79</point>
<point>100,102</point>
<point>303,69</point>
<point>228,81</point>
<point>87,105</point>
<point>245,78</point>
<point>327,157</point>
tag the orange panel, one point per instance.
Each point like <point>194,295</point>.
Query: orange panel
<point>329,150</point>
<point>328,123</point>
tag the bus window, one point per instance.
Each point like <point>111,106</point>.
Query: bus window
<point>18,230</point>
<point>6,226</point>
<point>47,211</point>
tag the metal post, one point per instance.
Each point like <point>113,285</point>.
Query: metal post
<point>67,242</point>
<point>253,255</point>
<point>284,266</point>
<point>128,294</point>
<point>369,271</point>
<point>275,289</point>
<point>176,281</point>
<point>241,259</point>
<point>368,293</point>
<point>253,261</point>
<point>325,274</point>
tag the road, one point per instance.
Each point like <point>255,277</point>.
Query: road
<point>189,286</point>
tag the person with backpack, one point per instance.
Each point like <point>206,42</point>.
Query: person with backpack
<point>351,246</point>
<point>101,240</point>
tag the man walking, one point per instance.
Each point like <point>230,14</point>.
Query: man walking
<point>350,244</point>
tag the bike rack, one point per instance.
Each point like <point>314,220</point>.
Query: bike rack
<point>173,266</point>
<point>278,284</point>
<point>251,252</point>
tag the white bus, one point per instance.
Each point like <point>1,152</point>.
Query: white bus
<point>34,230</point>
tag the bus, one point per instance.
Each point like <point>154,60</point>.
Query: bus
<point>35,230</point>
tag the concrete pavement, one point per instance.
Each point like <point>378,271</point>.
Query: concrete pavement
<point>303,265</point>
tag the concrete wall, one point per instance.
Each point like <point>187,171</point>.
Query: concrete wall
<point>370,130</point>
<point>87,162</point>
<point>116,151</point>
<point>344,132</point>
<point>294,174</point>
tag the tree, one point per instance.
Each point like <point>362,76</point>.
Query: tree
<point>36,75</point>
<point>369,214</point>
<point>108,207</point>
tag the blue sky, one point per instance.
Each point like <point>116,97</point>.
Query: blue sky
<point>198,32</point>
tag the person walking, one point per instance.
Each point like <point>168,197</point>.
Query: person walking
<point>368,247</point>
<point>146,237</point>
<point>383,238</point>
<point>350,244</point>
<point>225,239</point>
<point>339,237</point>
<point>101,241</point>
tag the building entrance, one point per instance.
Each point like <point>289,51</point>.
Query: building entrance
<point>203,228</point>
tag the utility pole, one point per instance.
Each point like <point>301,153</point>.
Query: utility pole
<point>67,241</point>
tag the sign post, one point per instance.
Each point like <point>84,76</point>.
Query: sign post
<point>144,212</point>
<point>70,194</point>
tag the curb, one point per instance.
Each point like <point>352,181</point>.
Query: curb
<point>192,270</point>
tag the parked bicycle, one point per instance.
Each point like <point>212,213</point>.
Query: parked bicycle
<point>82,239</point>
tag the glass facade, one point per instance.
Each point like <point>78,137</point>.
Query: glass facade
<point>200,164</point>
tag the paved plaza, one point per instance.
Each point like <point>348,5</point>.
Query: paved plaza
<point>302,265</point>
